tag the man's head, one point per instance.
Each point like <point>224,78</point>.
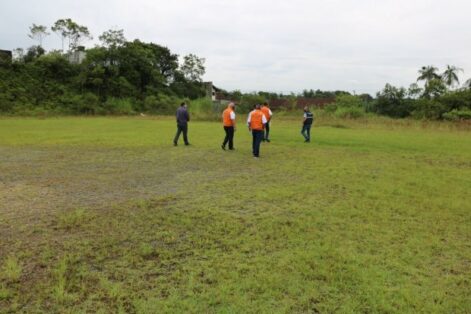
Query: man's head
<point>266,104</point>
<point>306,108</point>
<point>231,105</point>
<point>257,106</point>
<point>183,104</point>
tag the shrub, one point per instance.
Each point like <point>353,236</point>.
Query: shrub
<point>348,101</point>
<point>456,115</point>
<point>350,112</point>
<point>428,109</point>
<point>202,105</point>
<point>118,106</point>
<point>11,269</point>
<point>161,104</point>
<point>72,219</point>
<point>330,108</point>
<point>391,102</point>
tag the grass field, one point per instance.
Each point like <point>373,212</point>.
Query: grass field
<point>105,215</point>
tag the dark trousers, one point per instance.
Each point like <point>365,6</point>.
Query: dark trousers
<point>267,131</point>
<point>257,136</point>
<point>229,137</point>
<point>181,128</point>
<point>306,131</point>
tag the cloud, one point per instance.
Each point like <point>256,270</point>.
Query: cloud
<point>276,45</point>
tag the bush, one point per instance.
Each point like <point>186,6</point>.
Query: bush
<point>428,109</point>
<point>456,115</point>
<point>391,102</point>
<point>349,112</point>
<point>348,101</point>
<point>161,104</point>
<point>202,105</point>
<point>330,108</point>
<point>118,106</point>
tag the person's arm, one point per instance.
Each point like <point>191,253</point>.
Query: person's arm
<point>249,119</point>
<point>305,117</point>
<point>270,113</point>
<point>264,119</point>
<point>187,116</point>
<point>233,118</point>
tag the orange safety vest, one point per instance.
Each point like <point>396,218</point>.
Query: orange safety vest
<point>266,112</point>
<point>256,120</point>
<point>226,117</point>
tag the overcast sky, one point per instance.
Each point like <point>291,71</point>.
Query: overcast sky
<point>280,46</point>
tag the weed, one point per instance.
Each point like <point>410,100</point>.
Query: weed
<point>72,219</point>
<point>12,269</point>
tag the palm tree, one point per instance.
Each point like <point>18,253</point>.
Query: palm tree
<point>450,76</point>
<point>467,84</point>
<point>428,73</point>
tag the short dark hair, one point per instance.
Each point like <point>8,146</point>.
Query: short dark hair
<point>265,103</point>
<point>182,104</point>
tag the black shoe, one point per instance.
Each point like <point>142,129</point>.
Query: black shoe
<point>223,147</point>
<point>175,144</point>
<point>187,144</point>
<point>232,148</point>
<point>268,140</point>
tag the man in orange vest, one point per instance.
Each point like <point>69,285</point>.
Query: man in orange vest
<point>256,122</point>
<point>267,112</point>
<point>229,123</point>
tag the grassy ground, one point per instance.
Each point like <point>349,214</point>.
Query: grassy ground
<point>104,214</point>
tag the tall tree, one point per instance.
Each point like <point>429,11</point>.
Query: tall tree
<point>450,76</point>
<point>112,38</point>
<point>467,84</point>
<point>434,88</point>
<point>60,28</point>
<point>428,73</point>
<point>75,33</point>
<point>193,67</point>
<point>38,32</point>
<point>414,91</point>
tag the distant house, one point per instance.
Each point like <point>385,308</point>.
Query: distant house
<point>6,56</point>
<point>213,92</point>
<point>77,56</point>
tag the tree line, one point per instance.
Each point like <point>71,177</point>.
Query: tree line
<point>117,76</point>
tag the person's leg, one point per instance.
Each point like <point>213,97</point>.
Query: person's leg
<point>258,141</point>
<point>267,131</point>
<point>303,132</point>
<point>309,132</point>
<point>185,134</point>
<point>231,137</point>
<point>226,139</point>
<point>179,130</point>
<point>254,140</point>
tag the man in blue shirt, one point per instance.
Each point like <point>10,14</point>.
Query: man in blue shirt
<point>182,124</point>
<point>307,123</point>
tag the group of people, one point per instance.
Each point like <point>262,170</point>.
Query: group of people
<point>258,122</point>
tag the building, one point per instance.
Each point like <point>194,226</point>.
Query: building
<point>212,91</point>
<point>77,56</point>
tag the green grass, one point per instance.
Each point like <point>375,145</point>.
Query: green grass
<point>105,215</point>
